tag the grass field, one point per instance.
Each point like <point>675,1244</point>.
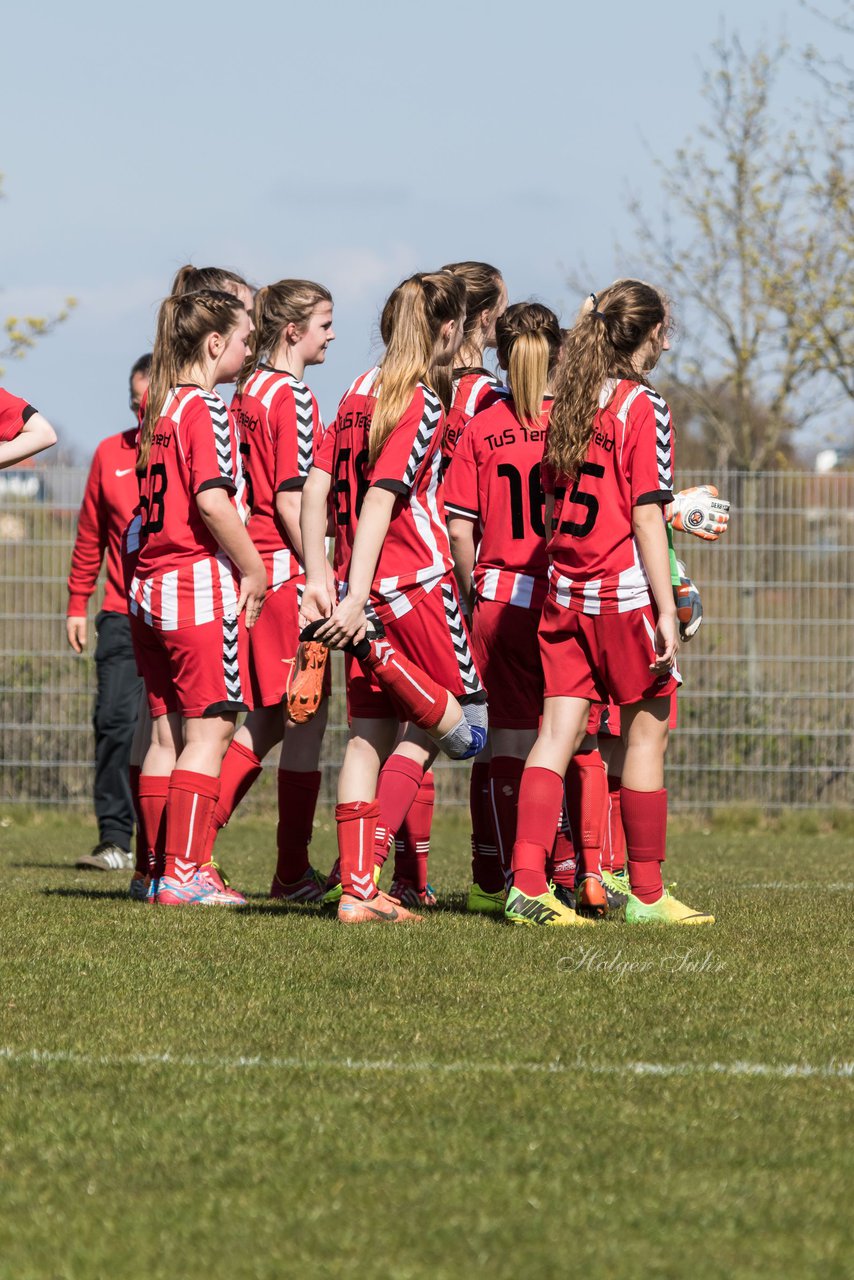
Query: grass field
<point>266,1094</point>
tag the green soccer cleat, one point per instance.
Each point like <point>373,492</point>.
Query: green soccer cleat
<point>667,910</point>
<point>481,903</point>
<point>543,909</point>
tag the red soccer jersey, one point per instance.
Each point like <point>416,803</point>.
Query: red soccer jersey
<point>14,412</point>
<point>474,391</point>
<point>111,497</point>
<point>596,563</point>
<point>279,425</point>
<point>415,553</point>
<point>494,480</point>
<point>182,577</point>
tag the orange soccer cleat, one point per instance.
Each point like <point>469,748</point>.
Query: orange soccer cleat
<point>381,909</point>
<point>305,686</point>
<point>590,896</point>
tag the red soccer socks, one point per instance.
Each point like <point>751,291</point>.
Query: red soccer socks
<point>540,797</point>
<point>240,768</point>
<point>189,808</point>
<point>505,777</point>
<point>587,807</point>
<point>615,844</point>
<point>356,824</point>
<point>412,842</point>
<point>298,794</point>
<point>645,820</point>
<point>399,783</point>
<point>420,698</point>
<point>151,836</point>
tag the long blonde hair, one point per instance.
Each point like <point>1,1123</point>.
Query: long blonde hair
<point>411,323</point>
<point>528,338</point>
<point>277,306</point>
<point>184,322</point>
<point>612,326</point>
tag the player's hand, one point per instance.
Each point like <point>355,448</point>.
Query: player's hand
<point>347,623</point>
<point>253,588</point>
<point>666,643</point>
<point>700,511</point>
<point>316,603</point>
<point>75,629</point>
<point>689,606</point>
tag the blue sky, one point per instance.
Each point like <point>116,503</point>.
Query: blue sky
<point>349,143</point>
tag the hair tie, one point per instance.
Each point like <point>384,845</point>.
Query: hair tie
<point>599,314</point>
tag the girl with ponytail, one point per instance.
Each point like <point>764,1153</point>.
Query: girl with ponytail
<point>398,617</point>
<point>279,424</point>
<point>190,279</point>
<point>197,585</point>
<point>493,491</point>
<point>609,628</point>
<point>474,387</point>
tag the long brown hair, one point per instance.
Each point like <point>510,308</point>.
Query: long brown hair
<point>277,306</point>
<point>483,291</point>
<point>184,322</point>
<point>609,330</point>
<point>528,337</point>
<point>189,279</point>
<point>411,323</point>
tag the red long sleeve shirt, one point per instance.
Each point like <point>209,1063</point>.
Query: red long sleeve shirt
<point>112,495</point>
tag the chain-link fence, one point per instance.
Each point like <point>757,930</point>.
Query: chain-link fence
<point>766,716</point>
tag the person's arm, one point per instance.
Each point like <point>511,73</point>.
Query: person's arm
<point>650,532</point>
<point>220,515</point>
<point>288,505</point>
<point>35,435</point>
<point>317,598</point>
<point>461,536</point>
<point>86,558</point>
<point>348,621</point>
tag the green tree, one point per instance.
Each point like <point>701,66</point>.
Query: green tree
<point>755,249</point>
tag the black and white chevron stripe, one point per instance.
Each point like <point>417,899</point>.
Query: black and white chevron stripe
<point>230,663</point>
<point>663,438</point>
<point>430,419</point>
<point>304,403</point>
<point>222,436</point>
<point>460,640</point>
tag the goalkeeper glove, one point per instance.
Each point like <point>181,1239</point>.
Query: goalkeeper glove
<point>689,606</point>
<point>699,511</point>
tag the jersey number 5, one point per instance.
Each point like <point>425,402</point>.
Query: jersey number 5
<point>577,496</point>
<point>151,505</point>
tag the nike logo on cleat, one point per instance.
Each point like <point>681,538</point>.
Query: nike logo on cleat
<point>382,915</point>
<point>538,912</point>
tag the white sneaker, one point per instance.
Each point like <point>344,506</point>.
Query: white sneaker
<point>107,857</point>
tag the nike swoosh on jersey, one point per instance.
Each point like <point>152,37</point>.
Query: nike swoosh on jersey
<point>126,472</point>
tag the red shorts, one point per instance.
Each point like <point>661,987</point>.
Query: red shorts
<point>506,647</point>
<point>273,645</point>
<point>604,656</point>
<point>610,725</point>
<point>199,671</point>
<point>434,636</point>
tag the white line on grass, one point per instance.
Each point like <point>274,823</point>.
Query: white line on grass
<point>768,1070</point>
